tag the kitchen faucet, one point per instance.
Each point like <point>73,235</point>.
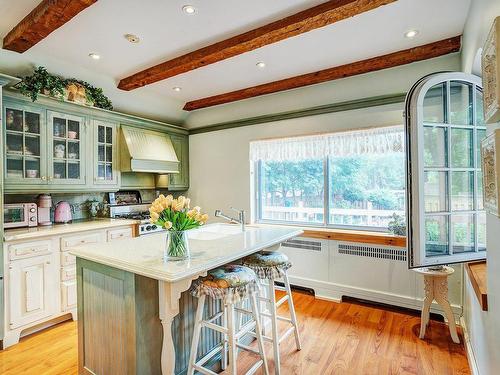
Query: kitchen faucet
<point>240,220</point>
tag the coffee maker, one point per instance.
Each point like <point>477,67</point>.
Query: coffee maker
<point>44,206</point>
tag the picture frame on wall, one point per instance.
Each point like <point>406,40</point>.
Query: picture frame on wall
<point>490,159</point>
<point>490,63</point>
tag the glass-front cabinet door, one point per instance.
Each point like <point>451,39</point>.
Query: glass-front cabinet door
<point>105,153</point>
<point>66,149</point>
<point>24,145</point>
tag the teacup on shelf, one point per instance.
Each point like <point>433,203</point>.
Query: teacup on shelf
<point>72,134</point>
<point>31,173</point>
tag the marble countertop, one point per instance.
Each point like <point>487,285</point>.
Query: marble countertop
<point>16,234</point>
<point>211,246</point>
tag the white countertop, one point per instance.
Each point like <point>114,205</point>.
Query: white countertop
<point>58,229</point>
<point>211,246</point>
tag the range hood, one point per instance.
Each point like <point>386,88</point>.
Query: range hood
<point>147,151</point>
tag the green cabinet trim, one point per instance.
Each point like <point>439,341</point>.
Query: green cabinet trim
<point>180,181</point>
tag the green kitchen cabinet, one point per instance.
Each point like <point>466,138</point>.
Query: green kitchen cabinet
<point>105,166</point>
<point>180,181</point>
<point>68,142</point>
<point>24,144</point>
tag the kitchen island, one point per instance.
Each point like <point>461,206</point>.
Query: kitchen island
<point>133,309</point>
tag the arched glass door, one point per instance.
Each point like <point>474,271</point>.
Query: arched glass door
<point>445,125</point>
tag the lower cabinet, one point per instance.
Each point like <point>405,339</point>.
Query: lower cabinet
<point>68,295</point>
<point>32,290</point>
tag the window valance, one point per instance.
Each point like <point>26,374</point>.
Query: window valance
<point>369,141</point>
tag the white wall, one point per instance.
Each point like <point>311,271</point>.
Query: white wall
<point>219,161</point>
<point>483,327</point>
<point>479,21</point>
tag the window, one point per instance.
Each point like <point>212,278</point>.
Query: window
<point>349,179</point>
<point>445,125</point>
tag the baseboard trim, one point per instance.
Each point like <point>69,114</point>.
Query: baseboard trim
<point>474,369</point>
<point>334,292</point>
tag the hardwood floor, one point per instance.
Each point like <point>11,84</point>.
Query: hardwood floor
<point>345,338</point>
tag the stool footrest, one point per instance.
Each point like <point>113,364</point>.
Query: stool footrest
<point>282,300</point>
<point>215,327</point>
<point>282,318</point>
<point>245,329</point>
<point>287,333</point>
<point>214,317</point>
<point>247,348</point>
<point>199,364</point>
<point>204,370</point>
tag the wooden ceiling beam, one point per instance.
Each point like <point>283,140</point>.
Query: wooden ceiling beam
<point>390,60</point>
<point>321,15</point>
<point>48,16</point>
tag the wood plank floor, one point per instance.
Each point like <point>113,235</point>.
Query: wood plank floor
<point>337,338</point>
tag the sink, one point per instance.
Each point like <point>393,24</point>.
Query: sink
<point>216,231</point>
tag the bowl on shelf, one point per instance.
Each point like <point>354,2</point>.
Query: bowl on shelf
<point>31,173</point>
<point>72,134</point>
<point>72,155</point>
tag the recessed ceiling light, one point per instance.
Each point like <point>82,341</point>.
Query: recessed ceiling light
<point>132,38</point>
<point>189,9</point>
<point>94,56</point>
<point>261,64</point>
<point>411,33</point>
<point>177,88</point>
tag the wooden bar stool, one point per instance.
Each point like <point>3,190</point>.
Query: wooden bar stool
<point>270,266</point>
<point>233,284</point>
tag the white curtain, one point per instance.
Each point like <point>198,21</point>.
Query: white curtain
<point>369,141</point>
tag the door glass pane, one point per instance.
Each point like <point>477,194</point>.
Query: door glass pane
<point>100,171</point>
<point>73,129</point>
<point>461,148</point>
<point>100,152</point>
<point>460,103</point>
<point>109,135</point>
<point>13,215</point>
<point>73,170</point>
<point>59,170</point>
<point>481,231</point>
<point>59,149</point>
<point>100,134</point>
<point>109,172</point>
<point>435,191</point>
<point>32,168</point>
<point>32,145</point>
<point>14,167</point>
<point>436,235</point>
<point>59,127</point>
<point>462,233</point>
<point>73,150</point>
<point>14,120</point>
<point>14,143</point>
<point>109,154</point>
<point>435,146</point>
<point>479,108</point>
<point>434,104</point>
<point>32,123</point>
<point>462,191</point>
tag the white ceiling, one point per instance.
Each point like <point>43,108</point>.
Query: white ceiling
<point>167,32</point>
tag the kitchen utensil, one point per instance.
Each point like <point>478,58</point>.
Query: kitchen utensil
<point>44,206</point>
<point>62,213</point>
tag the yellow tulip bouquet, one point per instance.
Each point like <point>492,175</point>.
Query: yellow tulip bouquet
<point>177,217</point>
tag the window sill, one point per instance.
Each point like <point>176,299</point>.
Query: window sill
<point>350,235</point>
<point>477,272</point>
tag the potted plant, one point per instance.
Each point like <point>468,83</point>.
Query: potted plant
<point>42,82</point>
<point>176,216</point>
<point>397,225</point>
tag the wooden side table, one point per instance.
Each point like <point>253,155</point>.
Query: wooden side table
<point>436,288</point>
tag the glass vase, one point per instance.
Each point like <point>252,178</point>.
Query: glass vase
<point>177,246</point>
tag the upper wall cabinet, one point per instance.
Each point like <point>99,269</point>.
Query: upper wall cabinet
<point>180,181</point>
<point>25,138</point>
<point>105,154</point>
<point>67,146</point>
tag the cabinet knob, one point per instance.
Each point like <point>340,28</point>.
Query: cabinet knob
<point>50,178</point>
<point>44,178</point>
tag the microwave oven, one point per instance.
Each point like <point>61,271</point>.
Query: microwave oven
<point>17,215</point>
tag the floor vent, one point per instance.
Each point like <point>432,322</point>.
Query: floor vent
<point>303,244</point>
<point>373,252</point>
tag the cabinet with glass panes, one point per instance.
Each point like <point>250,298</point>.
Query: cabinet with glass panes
<point>66,148</point>
<point>25,135</point>
<point>455,221</point>
<point>105,166</point>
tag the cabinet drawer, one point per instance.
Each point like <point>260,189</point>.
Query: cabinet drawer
<point>29,249</point>
<point>116,234</point>
<point>67,259</point>
<point>68,273</point>
<point>69,242</point>
<point>68,295</point>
